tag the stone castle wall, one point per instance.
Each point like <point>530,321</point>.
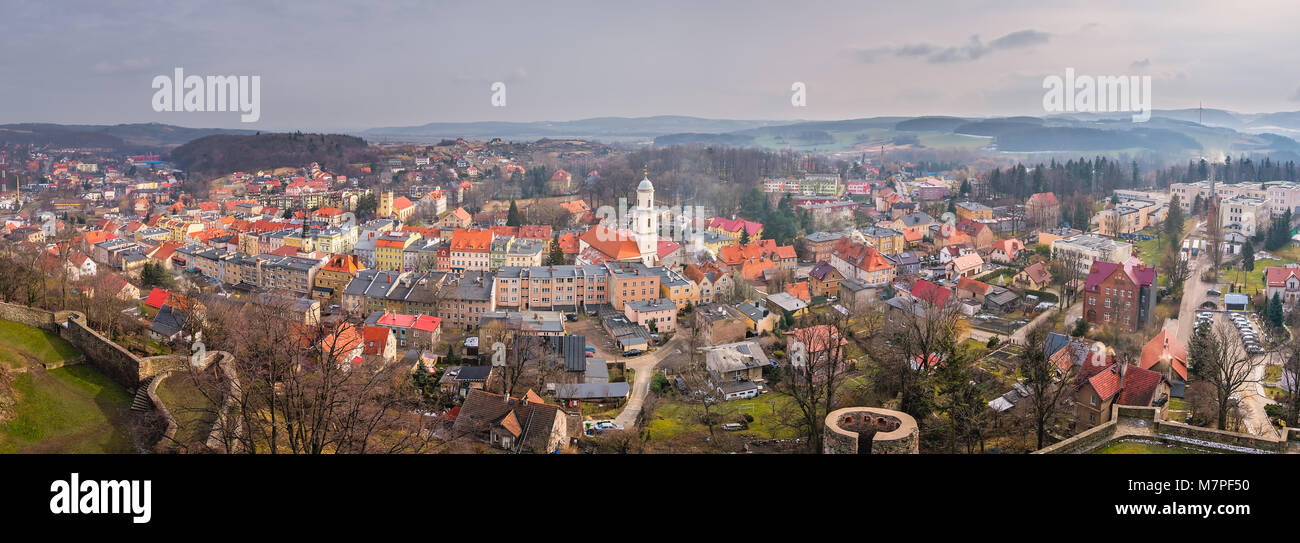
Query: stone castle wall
<point>111,359</point>
<point>896,432</point>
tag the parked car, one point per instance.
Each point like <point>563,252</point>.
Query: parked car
<point>634,352</point>
<point>1213,292</point>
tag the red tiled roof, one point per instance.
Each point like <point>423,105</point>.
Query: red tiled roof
<point>157,298</point>
<point>472,240</point>
<point>1276,276</point>
<point>977,287</point>
<point>614,245</point>
<point>930,292</point>
<point>1165,346</point>
<point>1139,386</point>
<point>376,339</point>
<point>1138,275</point>
<point>1106,382</point>
<point>799,290</point>
<point>427,323</point>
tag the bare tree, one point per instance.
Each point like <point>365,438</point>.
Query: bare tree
<point>701,392</point>
<point>514,351</point>
<point>814,369</point>
<point>302,388</point>
<point>1214,245</point>
<point>912,340</point>
<point>1046,382</point>
<point>1225,366</point>
<point>1291,379</point>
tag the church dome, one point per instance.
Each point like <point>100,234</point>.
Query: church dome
<point>645,184</point>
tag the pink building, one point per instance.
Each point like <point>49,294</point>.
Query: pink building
<point>662,312</point>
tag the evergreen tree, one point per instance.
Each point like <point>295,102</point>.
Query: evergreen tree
<point>744,236</point>
<point>513,218</point>
<point>1174,222</point>
<point>1275,311</point>
<point>1198,349</point>
<point>1248,256</point>
<point>557,254</point>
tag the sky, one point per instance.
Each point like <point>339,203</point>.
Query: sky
<point>333,65</point>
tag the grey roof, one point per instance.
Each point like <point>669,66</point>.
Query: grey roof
<point>905,258</point>
<point>473,373</point>
<point>597,370</point>
<point>787,301</point>
<point>915,218</point>
<point>1054,342</point>
<point>735,357</point>
<point>818,237</point>
<point>732,387</point>
<point>1003,296</point>
<point>658,304</point>
<point>168,321</point>
<point>752,310</point>
<point>575,354</point>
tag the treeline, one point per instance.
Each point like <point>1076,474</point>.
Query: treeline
<point>1099,175</point>
<point>222,154</point>
<point>1241,170</point>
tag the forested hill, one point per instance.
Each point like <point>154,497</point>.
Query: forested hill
<point>215,155</point>
<point>141,137</point>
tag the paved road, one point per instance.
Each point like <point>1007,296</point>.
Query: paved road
<point>1195,292</point>
<point>644,366</point>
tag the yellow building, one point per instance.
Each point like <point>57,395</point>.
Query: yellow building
<point>974,211</point>
<point>886,240</point>
<point>390,249</point>
<point>334,277</point>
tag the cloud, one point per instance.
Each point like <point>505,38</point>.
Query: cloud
<point>1020,38</point>
<point>122,66</point>
<point>974,49</point>
<point>1140,64</point>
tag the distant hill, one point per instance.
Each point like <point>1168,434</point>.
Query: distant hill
<point>120,137</point>
<point>933,124</point>
<point>224,153</point>
<point>600,128</point>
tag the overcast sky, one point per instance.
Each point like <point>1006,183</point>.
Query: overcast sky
<point>351,65</point>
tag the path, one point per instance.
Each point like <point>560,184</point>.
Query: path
<point>644,366</point>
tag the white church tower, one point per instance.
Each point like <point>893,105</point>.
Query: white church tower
<point>646,228</point>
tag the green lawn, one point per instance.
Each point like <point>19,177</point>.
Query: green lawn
<point>73,409</point>
<point>1141,447</point>
<point>1273,373</point>
<point>992,277</point>
<point>20,343</point>
<point>193,412</point>
<point>675,417</point>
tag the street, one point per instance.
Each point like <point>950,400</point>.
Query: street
<point>1195,292</point>
<point>643,365</point>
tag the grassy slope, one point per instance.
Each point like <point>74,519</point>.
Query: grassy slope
<point>1139,447</point>
<point>673,417</point>
<point>20,342</point>
<point>187,404</point>
<point>74,409</point>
